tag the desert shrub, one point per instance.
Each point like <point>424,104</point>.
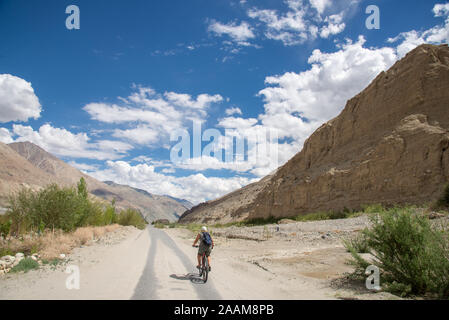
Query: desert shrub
<point>359,244</point>
<point>413,257</point>
<point>5,225</point>
<point>373,208</point>
<point>316,216</point>
<point>25,265</point>
<point>131,217</point>
<point>56,208</point>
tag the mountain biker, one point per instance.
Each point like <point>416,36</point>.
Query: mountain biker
<point>203,246</point>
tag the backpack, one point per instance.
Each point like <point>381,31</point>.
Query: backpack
<point>207,240</point>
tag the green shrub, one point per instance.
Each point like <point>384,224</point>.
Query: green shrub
<point>60,208</point>
<point>316,216</point>
<point>5,225</point>
<point>25,265</point>
<point>359,244</point>
<point>373,208</point>
<point>412,256</point>
<point>131,217</point>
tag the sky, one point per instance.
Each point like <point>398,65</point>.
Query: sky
<point>193,99</point>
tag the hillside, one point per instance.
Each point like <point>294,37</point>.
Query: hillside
<point>389,145</point>
<point>26,164</point>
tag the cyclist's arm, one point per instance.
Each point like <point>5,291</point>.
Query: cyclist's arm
<point>196,240</point>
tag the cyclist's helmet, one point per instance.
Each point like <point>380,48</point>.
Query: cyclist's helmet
<point>203,229</point>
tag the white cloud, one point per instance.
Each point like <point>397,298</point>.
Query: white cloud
<point>5,136</point>
<point>334,25</point>
<point>239,33</point>
<point>320,5</point>
<point>438,34</point>
<point>141,135</point>
<point>303,21</point>
<point>231,111</point>
<point>321,92</point>
<point>195,188</point>
<point>18,102</point>
<point>84,167</point>
<point>151,117</point>
<point>441,10</point>
<point>290,28</point>
<point>62,142</point>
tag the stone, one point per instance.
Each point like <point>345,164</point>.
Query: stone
<point>62,256</point>
<point>20,255</point>
<point>8,259</point>
<point>435,215</point>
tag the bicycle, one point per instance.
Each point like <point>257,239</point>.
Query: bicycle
<point>204,270</point>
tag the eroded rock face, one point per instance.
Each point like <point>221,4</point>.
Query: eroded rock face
<point>389,145</point>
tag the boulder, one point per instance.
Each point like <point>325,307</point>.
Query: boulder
<point>9,260</point>
<point>20,255</point>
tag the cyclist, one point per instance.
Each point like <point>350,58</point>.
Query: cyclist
<point>206,245</point>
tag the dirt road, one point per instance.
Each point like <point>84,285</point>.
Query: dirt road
<point>160,264</point>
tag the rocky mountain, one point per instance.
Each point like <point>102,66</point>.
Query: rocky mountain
<point>389,145</point>
<point>157,206</point>
<point>26,164</point>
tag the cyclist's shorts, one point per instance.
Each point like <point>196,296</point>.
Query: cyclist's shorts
<point>204,249</point>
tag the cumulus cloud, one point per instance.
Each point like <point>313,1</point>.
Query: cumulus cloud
<point>303,20</point>
<point>84,167</point>
<point>5,136</point>
<point>151,116</point>
<point>320,5</point>
<point>441,10</point>
<point>239,33</point>
<point>62,142</point>
<point>290,28</point>
<point>18,102</point>
<point>231,111</point>
<point>334,25</point>
<point>195,188</point>
<point>413,38</point>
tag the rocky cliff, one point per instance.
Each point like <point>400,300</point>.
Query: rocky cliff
<point>389,145</point>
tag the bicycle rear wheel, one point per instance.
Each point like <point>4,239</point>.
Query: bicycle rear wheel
<point>205,269</point>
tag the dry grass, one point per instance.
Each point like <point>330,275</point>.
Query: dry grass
<point>52,243</point>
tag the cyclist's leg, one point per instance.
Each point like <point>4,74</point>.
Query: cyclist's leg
<point>208,252</point>
<point>200,254</point>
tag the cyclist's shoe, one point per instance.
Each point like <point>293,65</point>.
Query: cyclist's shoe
<point>210,269</point>
<point>198,267</point>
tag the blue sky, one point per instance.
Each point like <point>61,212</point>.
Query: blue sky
<point>106,97</point>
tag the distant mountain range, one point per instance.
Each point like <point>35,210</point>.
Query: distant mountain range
<point>24,164</point>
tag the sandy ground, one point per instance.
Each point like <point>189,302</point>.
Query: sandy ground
<point>304,260</point>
